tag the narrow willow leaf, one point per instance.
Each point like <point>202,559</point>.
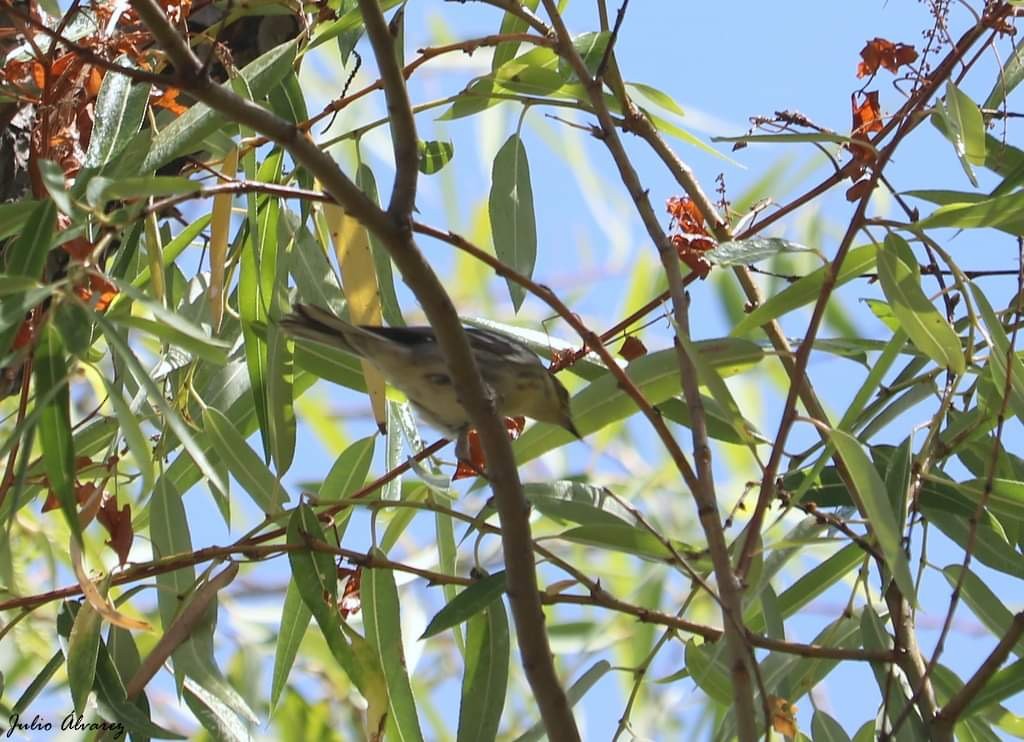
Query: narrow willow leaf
<point>807,289</point>
<point>1003,685</point>
<point>900,277</point>
<point>576,502</point>
<point>1005,212</point>
<point>434,155</point>
<point>381,257</point>
<point>359,279</point>
<point>316,579</point>
<point>114,704</point>
<point>120,107</point>
<point>968,128</point>
<point>202,346</point>
<point>575,692</point>
<point>348,474</point>
<point>989,545</point>
<point>892,683</point>
<point>25,256</point>
<point>603,401</point>
<point>707,665</point>
<point>510,207</point>
<point>634,540</point>
<point>826,729</point>
<point>256,479</point>
<point>985,604</point>
<point>1008,79</point>
<point>170,416</point>
<point>510,24</point>
<point>1000,353</point>
<point>133,435</point>
<point>745,252</point>
<point>467,604</point>
<point>186,132</point>
<point>710,379</point>
<point>280,391</point>
<point>810,585</point>
<point>101,191</point>
<point>295,618</point>
<point>659,97</point>
<point>384,634</point>
<point>485,680</point>
<point>83,647</point>
<point>51,375</point>
<point>874,503</point>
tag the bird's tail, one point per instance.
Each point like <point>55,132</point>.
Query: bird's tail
<point>316,324</point>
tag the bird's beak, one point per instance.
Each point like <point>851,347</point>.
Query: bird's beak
<point>568,425</point>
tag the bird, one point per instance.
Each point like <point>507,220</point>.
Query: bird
<point>410,359</point>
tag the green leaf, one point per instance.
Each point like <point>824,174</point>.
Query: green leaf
<point>510,207</point>
<point>133,435</point>
<point>873,502</point>
<point>316,579</point>
<point>51,368</point>
<point>810,585</point>
<point>101,190</point>
<point>384,634</point>
<point>633,540</point>
<point>807,289</point>
<point>1004,212</point>
<point>989,546</point>
<point>485,680</point>
<point>281,366</point>
<point>53,180</point>
<point>295,618</point>
<point>120,107</point>
<point>983,602</point>
<point>1004,684</point>
<point>83,646</point>
<point>575,692</point>
<point>1000,353</point>
<point>198,345</point>
<point>389,305</point>
<point>967,127</point>
<point>928,330</point>
<point>893,684</point>
<point>657,97</point>
<point>349,471</point>
<point>706,664</point>
<point>25,256</point>
<point>256,479</point>
<point>506,50</point>
<point>576,502</point>
<point>186,132</point>
<point>434,155</point>
<point>1010,77</point>
<point>745,252</point>
<point>467,604</point>
<point>826,729</point>
<point>14,216</point>
<point>603,401</point>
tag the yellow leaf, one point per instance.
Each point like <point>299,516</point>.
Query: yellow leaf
<point>359,280</point>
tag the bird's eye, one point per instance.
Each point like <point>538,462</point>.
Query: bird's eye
<point>438,379</point>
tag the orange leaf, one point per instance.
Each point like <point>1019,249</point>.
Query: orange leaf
<point>632,348</point>
<point>884,53</point>
<point>783,716</point>
<point>169,100</point>
<point>82,493</point>
<point>119,525</point>
<point>477,462</point>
